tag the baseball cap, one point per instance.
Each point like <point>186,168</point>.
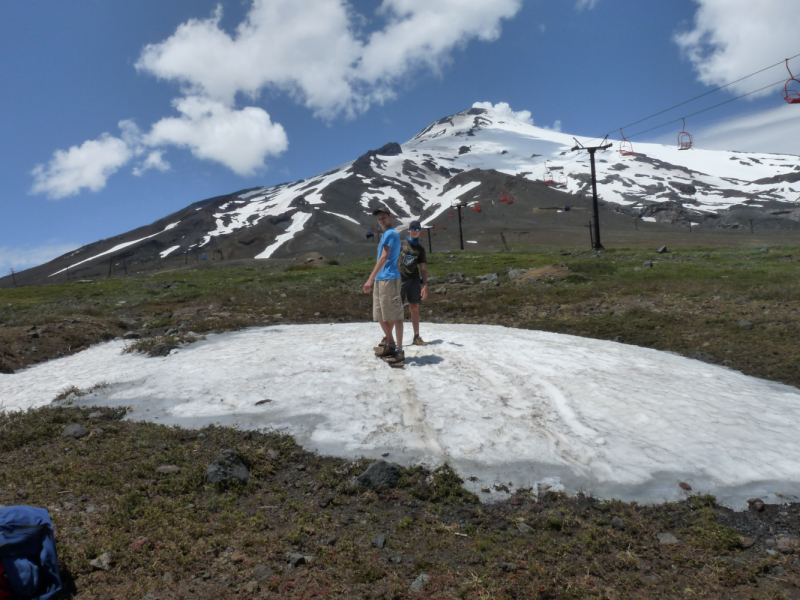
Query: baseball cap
<point>381,209</point>
<point>415,225</point>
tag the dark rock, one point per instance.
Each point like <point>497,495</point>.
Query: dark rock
<point>662,250</point>
<point>509,567</point>
<point>295,560</point>
<point>262,572</point>
<point>619,338</point>
<point>746,542</point>
<point>777,570</point>
<point>618,524</point>
<point>380,475</point>
<point>685,486</point>
<point>390,149</point>
<point>647,263</point>
<point>75,431</point>
<point>745,324</point>
<point>131,335</point>
<point>227,467</point>
<point>379,541</point>
<point>162,349</point>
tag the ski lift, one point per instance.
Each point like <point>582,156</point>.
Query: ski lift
<point>562,180</point>
<point>548,176</point>
<point>451,215</point>
<point>503,195</point>
<point>685,138</point>
<point>791,96</point>
<point>477,208</point>
<point>435,226</point>
<point>625,147</point>
<point>510,199</point>
<point>444,227</point>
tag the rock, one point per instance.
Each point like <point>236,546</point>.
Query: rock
<point>745,324</point>
<point>96,415</point>
<point>97,433</point>
<point>489,277</point>
<point>380,475</point>
<point>618,524</point>
<point>647,263</point>
<point>168,469</point>
<point>161,349</point>
<point>770,543</point>
<point>667,538</point>
<point>523,528</point>
<point>787,545</point>
<point>509,567</point>
<point>746,542</point>
<point>75,431</point>
<point>396,559</point>
<point>662,250</point>
<point>131,335</point>
<point>251,587</point>
<point>685,486</point>
<point>295,560</point>
<point>227,467</point>
<point>619,339</point>
<point>171,331</point>
<point>419,582</point>
<point>103,562</point>
<point>379,541</point>
<point>262,572</point>
<point>515,272</point>
<point>778,571</point>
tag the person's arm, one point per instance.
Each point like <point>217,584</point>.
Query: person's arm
<point>423,269</point>
<point>378,266</point>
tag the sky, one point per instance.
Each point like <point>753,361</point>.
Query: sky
<point>117,114</point>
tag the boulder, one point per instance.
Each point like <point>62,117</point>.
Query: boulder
<point>226,468</point>
<point>380,475</point>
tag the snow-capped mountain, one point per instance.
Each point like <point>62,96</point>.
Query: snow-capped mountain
<point>470,158</point>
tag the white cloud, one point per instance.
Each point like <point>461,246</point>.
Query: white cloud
<point>775,130</point>
<point>590,4</point>
<point>556,126</point>
<point>324,61</point>
<point>27,257</point>
<point>733,38</point>
<point>239,139</point>
<point>86,166</point>
<point>504,109</point>
<point>154,160</point>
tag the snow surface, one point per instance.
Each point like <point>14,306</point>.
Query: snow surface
<point>504,405</point>
<point>298,220</point>
<point>116,248</point>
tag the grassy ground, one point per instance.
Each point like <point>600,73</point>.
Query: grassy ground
<point>203,542</point>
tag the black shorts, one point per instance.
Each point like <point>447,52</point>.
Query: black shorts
<point>411,291</point>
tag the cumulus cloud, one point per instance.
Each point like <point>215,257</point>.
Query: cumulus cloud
<point>239,139</point>
<point>26,257</point>
<point>733,38</point>
<point>155,160</point>
<point>556,126</point>
<point>504,109</point>
<point>86,166</point>
<point>325,62</point>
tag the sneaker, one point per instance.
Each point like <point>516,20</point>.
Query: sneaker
<point>396,357</point>
<point>396,365</point>
<point>382,344</point>
<point>418,341</point>
<point>385,351</point>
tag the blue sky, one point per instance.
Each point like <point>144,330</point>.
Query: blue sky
<point>117,114</point>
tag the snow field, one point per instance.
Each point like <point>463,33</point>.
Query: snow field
<point>503,405</point>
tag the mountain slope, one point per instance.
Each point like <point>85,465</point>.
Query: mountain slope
<point>468,158</point>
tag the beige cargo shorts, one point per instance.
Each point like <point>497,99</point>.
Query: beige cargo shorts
<point>386,302</point>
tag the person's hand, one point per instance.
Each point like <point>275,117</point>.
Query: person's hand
<point>368,286</point>
<point>425,292</point>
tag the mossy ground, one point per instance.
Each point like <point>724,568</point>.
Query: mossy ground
<point>104,491</point>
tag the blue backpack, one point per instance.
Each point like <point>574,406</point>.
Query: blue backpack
<point>28,553</point>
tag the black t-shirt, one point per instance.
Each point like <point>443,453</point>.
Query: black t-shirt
<point>411,257</point>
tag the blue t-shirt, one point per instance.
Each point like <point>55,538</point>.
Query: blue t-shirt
<point>391,239</point>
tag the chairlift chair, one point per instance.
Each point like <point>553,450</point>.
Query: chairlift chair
<point>477,208</point>
<point>791,95</point>
<point>548,176</point>
<point>510,199</point>
<point>562,180</point>
<point>685,138</point>
<point>503,195</point>
<point>625,147</point>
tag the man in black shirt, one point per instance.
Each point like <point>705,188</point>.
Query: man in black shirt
<point>414,276</point>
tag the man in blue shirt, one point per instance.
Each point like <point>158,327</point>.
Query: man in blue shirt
<point>384,282</point>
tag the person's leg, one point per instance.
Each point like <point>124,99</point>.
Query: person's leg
<point>414,309</point>
<point>398,327</point>
<point>387,331</point>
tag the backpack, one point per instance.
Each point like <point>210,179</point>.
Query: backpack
<point>28,560</point>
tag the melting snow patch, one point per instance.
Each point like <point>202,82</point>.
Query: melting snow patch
<point>611,419</point>
<point>298,220</point>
